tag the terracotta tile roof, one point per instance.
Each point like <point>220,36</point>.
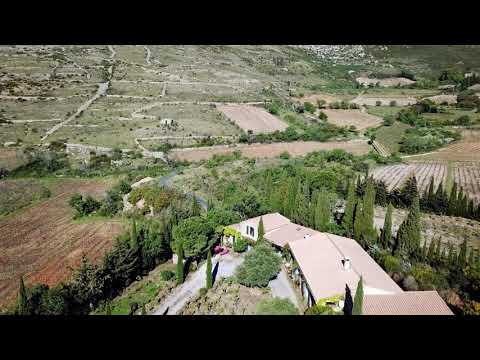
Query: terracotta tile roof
<point>406,303</point>
<point>270,222</point>
<point>287,233</point>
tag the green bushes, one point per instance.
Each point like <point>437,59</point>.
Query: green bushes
<point>391,264</point>
<point>426,139</point>
<point>309,107</point>
<point>284,155</point>
<point>276,306</point>
<point>195,234</point>
<point>167,275</point>
<point>261,265</point>
<point>83,206</point>
<point>240,245</point>
<point>157,197</point>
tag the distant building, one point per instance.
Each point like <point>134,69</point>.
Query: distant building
<point>328,262</point>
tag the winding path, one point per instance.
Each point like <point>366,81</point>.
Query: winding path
<point>227,264</point>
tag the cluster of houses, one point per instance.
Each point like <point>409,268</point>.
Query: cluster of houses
<point>324,264</point>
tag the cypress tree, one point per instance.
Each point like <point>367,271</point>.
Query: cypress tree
<point>438,250</point>
<point>431,251</point>
<point>358,222</point>
<point>196,210</point>
<point>452,200</point>
<point>462,255</point>
<point>459,203</point>
<point>387,227</point>
<point>348,304</point>
<point>409,191</point>
<point>471,257</point>
<point>358,299</point>
<point>409,232</point>
<point>22,298</point>
<point>268,185</point>
<point>431,192</point>
<point>302,204</point>
<point>471,209</point>
<point>261,230</point>
<point>108,308</point>
<point>348,217</point>
<point>144,311</point>
<point>322,211</point>
<point>209,270</point>
<point>134,236</point>
<point>180,275</point>
<point>369,232</point>
<point>290,199</point>
<point>440,202</point>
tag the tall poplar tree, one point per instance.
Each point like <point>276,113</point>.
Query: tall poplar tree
<point>209,270</point>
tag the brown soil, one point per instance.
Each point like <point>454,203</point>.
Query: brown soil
<point>352,117</point>
<point>8,158</point>
<point>43,241</point>
<point>252,118</point>
<point>298,148</point>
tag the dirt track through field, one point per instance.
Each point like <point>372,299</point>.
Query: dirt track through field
<point>42,241</point>
<point>297,148</point>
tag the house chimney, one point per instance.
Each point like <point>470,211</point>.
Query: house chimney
<point>346,264</point>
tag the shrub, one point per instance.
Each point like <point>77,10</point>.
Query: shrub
<point>391,264</point>
<point>323,116</point>
<point>261,265</point>
<point>284,155</point>
<point>276,306</point>
<point>321,103</point>
<point>167,275</point>
<point>84,206</point>
<point>203,292</point>
<point>378,103</point>
<point>388,120</point>
<point>308,106</point>
<point>195,234</point>
<point>321,309</point>
<point>393,103</point>
<point>424,275</point>
<point>240,245</point>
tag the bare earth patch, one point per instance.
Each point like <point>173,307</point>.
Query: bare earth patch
<point>8,158</point>
<point>352,117</point>
<point>384,101</point>
<point>388,82</point>
<point>298,148</point>
<point>441,99</point>
<point>43,241</point>
<point>315,97</point>
<point>252,118</point>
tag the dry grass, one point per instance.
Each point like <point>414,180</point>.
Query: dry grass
<point>355,118</point>
<point>298,148</point>
<point>252,118</point>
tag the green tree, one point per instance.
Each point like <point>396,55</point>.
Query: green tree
<point>409,232</point>
<point>369,232</point>
<point>196,209</point>
<point>180,275</point>
<point>358,299</point>
<point>261,265</point>
<point>462,255</point>
<point>108,308</point>
<point>358,222</point>
<point>209,270</point>
<point>195,234</point>
<point>261,230</point>
<point>322,211</point>
<point>452,200</point>
<point>22,298</point>
<point>387,228</point>
<point>134,236</point>
<point>348,217</point>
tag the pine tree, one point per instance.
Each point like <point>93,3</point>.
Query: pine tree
<point>348,217</point>
<point>22,298</point>
<point>387,228</point>
<point>261,230</point>
<point>322,211</point>
<point>209,270</point>
<point>452,200</point>
<point>358,299</point>
<point>180,275</point>
<point>196,209</point>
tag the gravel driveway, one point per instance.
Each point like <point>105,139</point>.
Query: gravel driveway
<point>282,288</point>
<point>227,264</point>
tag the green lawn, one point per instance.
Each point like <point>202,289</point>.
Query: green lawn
<point>390,136</point>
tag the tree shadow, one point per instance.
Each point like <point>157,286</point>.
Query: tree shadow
<point>214,272</point>
<point>166,311</point>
